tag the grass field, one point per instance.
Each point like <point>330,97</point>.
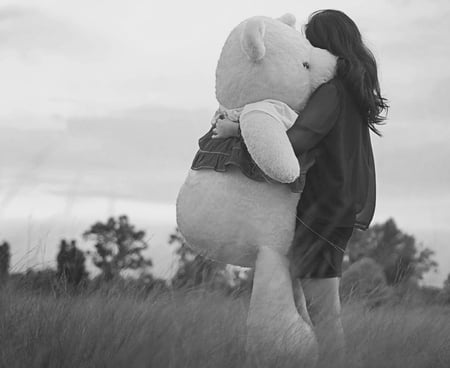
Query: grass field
<point>197,329</point>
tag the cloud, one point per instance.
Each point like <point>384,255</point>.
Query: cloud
<point>30,32</point>
<point>142,153</point>
<point>11,12</point>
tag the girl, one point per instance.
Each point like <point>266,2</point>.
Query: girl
<point>339,191</point>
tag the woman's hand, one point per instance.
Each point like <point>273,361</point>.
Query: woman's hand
<point>225,128</point>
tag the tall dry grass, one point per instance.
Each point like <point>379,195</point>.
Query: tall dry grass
<point>196,328</point>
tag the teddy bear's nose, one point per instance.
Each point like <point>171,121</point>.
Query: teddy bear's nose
<point>306,64</point>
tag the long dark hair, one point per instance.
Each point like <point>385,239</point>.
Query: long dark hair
<point>334,31</point>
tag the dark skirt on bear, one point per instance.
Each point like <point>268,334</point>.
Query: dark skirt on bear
<point>219,153</point>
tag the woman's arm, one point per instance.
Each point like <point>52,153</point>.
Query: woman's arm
<point>313,123</point>
<point>316,120</point>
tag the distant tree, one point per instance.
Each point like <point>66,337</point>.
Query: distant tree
<point>365,280</point>
<point>5,257</point>
<point>428,295</point>
<point>41,281</point>
<point>194,269</point>
<point>447,282</point>
<point>71,263</point>
<point>119,247</point>
<point>444,295</point>
<point>394,250</point>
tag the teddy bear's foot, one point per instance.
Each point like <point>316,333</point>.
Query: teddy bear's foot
<point>276,334</point>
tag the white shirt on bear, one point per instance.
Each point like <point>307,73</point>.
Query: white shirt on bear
<point>276,109</point>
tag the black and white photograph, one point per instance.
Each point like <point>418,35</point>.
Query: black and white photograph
<point>244,184</point>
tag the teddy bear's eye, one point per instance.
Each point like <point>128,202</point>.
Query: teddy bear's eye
<point>306,64</point>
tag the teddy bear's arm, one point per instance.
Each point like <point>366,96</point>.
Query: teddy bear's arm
<point>269,146</point>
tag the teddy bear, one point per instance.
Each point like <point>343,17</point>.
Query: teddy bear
<point>265,74</point>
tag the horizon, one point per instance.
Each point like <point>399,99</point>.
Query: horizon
<point>97,110</point>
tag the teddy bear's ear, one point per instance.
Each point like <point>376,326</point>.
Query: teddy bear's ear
<point>252,39</point>
<point>288,19</point>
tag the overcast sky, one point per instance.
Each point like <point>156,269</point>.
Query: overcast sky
<point>90,56</point>
<point>73,74</point>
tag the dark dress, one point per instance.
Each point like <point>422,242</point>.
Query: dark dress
<point>339,193</point>
<point>337,177</point>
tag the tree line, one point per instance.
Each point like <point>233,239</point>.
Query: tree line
<point>381,264</point>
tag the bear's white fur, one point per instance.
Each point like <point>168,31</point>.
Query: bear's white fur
<point>232,219</point>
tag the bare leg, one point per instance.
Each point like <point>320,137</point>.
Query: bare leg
<point>300,301</point>
<point>324,307</point>
<point>276,331</point>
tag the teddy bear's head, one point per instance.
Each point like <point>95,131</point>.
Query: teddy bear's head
<point>265,58</point>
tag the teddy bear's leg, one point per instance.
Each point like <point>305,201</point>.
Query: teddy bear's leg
<point>276,334</point>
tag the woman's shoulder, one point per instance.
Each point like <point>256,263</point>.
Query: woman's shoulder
<point>329,91</point>
<point>335,83</point>
<point>338,88</point>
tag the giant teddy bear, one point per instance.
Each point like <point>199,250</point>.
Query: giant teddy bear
<point>265,74</point>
